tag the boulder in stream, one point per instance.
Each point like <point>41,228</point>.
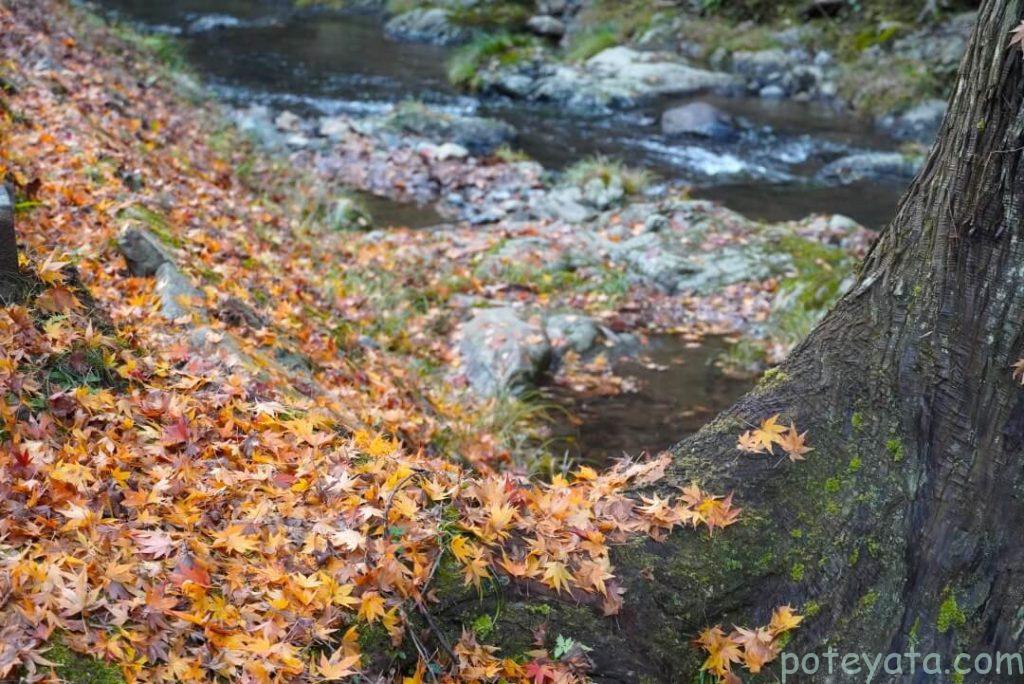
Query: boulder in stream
<point>426,25</point>
<point>698,119</point>
<point>870,166</point>
<point>477,134</point>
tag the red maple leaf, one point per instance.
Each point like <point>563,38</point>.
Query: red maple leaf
<point>539,672</point>
<point>176,432</point>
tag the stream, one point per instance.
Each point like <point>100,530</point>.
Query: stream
<point>328,63</point>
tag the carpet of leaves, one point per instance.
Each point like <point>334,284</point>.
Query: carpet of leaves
<point>193,509</point>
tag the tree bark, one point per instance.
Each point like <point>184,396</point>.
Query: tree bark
<point>902,528</point>
<point>9,274</point>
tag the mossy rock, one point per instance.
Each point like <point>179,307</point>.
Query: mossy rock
<point>75,668</point>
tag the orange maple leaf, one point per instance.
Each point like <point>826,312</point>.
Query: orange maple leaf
<point>794,444</point>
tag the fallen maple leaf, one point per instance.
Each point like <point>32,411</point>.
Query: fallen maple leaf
<point>769,433</point>
<point>371,607</point>
<point>337,667</point>
<point>176,433</point>
<point>749,443</point>
<point>57,300</point>
<point>783,620</point>
<point>794,444</point>
<point>1018,368</point>
<point>233,538</point>
<point>540,672</point>
<point>722,651</point>
<point>156,544</point>
<point>556,576</point>
<point>1017,36</point>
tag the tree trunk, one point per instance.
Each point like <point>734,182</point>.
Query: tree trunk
<point>902,528</point>
<point>9,275</point>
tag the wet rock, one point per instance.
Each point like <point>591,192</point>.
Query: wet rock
<point>803,78</point>
<point>571,332</point>
<point>616,77</point>
<point>870,166</point>
<point>699,119</point>
<point>212,22</point>
<point>143,251</point>
<point>919,123</point>
<point>546,25</point>
<point>425,25</point>
<point>650,73</point>
<point>288,122</point>
<point>334,127</point>
<point>477,134</point>
<point>500,352</point>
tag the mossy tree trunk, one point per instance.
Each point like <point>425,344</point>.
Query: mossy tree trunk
<point>903,527</point>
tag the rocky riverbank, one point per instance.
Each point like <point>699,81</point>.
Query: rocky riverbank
<point>884,60</point>
<point>538,277</point>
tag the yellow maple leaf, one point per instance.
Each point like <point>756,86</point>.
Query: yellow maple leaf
<point>371,607</point>
<point>233,538</point>
<point>556,576</point>
<point>337,667</point>
<point>475,570</point>
<point>783,620</point>
<point>769,433</point>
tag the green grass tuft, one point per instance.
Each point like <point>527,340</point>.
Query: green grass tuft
<point>591,42</point>
<point>487,51</point>
<point>634,181</point>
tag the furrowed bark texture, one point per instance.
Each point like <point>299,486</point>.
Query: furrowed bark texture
<point>903,527</point>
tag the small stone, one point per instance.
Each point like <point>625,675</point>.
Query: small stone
<point>655,223</point>
<point>450,151</point>
<point>287,121</point>
<point>334,127</point>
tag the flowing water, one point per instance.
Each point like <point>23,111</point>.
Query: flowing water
<point>262,51</point>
